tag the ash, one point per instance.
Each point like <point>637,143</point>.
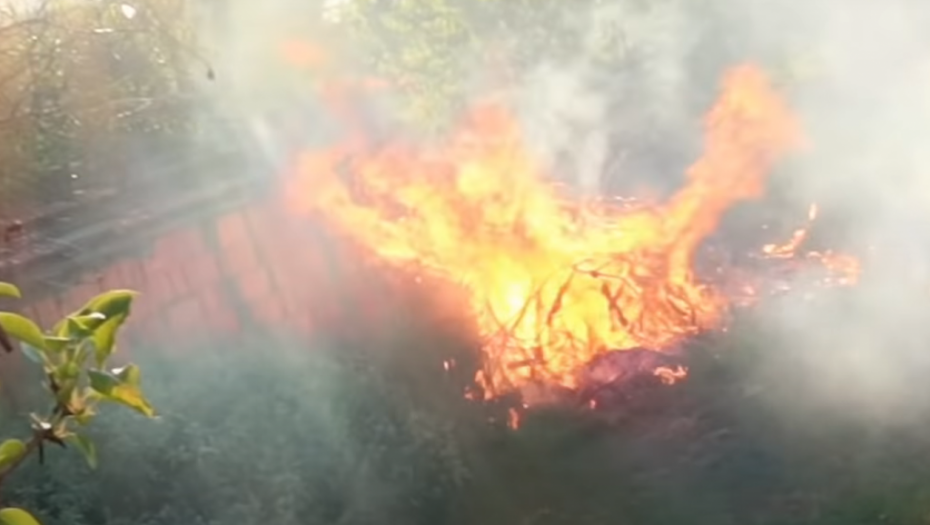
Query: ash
<point>619,376</point>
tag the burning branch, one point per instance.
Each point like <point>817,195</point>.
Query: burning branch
<point>553,284</point>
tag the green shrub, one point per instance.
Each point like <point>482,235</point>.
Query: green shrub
<point>271,430</point>
<point>77,376</point>
<point>259,432</point>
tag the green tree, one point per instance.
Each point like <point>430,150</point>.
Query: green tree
<point>421,45</point>
<point>661,56</point>
<point>75,360</point>
<point>440,51</point>
<point>81,82</point>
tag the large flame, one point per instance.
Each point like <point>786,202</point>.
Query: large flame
<point>551,282</point>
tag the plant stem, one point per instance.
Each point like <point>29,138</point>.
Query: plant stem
<point>31,446</point>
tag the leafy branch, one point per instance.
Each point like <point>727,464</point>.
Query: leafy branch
<point>74,356</point>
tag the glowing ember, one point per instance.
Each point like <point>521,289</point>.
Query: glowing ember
<point>790,249</point>
<point>841,269</point>
<point>670,376</point>
<point>552,283</point>
<point>513,418</point>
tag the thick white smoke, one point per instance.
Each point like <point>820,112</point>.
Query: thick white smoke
<point>626,103</point>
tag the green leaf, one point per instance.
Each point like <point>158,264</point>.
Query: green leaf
<point>14,516</point>
<point>82,404</point>
<point>133,397</point>
<point>10,451</point>
<point>68,371</point>
<point>90,321</point>
<point>87,448</point>
<point>56,344</point>
<point>75,329</point>
<point>23,329</point>
<point>10,290</point>
<point>112,388</point>
<point>129,374</point>
<point>80,354</point>
<point>105,338</point>
<point>79,326</point>
<point>102,382</point>
<point>60,329</point>
<point>33,354</point>
<point>110,304</point>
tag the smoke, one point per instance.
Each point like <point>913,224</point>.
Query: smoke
<point>611,96</point>
<point>612,114</point>
<point>864,106</point>
<point>616,106</point>
<point>621,112</point>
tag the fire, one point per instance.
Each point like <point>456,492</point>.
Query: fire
<point>552,282</point>
<point>841,269</point>
<point>789,249</point>
<point>670,376</point>
<point>513,418</point>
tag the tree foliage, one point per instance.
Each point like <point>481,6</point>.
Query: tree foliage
<point>80,78</point>
<point>440,51</point>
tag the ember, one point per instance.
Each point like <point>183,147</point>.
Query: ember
<point>620,375</point>
<point>556,286</point>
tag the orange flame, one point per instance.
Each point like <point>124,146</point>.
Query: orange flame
<point>790,248</point>
<point>670,376</point>
<point>551,283</point>
<point>842,269</point>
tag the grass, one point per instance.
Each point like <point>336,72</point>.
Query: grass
<point>370,431</point>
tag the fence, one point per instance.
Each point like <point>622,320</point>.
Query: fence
<point>218,262</point>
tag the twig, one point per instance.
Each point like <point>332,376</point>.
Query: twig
<point>31,446</point>
<point>39,435</point>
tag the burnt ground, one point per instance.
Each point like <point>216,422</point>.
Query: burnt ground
<point>771,427</point>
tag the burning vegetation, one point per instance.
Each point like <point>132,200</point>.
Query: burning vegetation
<point>566,293</point>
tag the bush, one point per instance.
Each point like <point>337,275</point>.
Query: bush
<point>263,432</point>
<point>371,431</point>
<point>76,377</point>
